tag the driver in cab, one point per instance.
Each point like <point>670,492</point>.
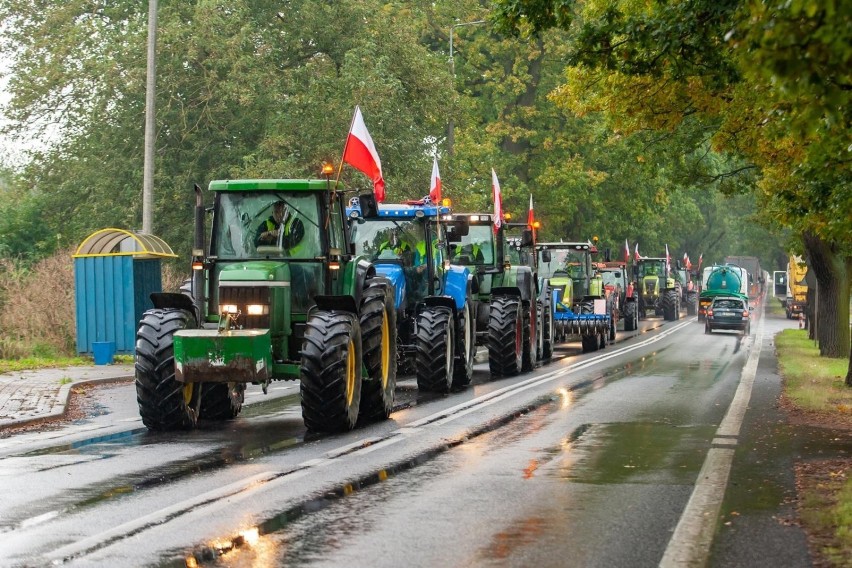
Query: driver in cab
<point>281,227</point>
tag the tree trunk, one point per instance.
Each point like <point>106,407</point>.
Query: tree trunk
<point>831,271</point>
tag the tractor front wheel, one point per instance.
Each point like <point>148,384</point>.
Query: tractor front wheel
<point>532,336</point>
<point>222,401</point>
<point>548,333</point>
<point>435,343</point>
<point>670,305</point>
<point>164,403</point>
<point>631,316</point>
<point>505,336</point>
<point>378,338</point>
<point>466,350</point>
<point>331,372</point>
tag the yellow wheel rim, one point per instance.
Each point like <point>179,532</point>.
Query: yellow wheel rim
<point>386,354</point>
<point>188,389</point>
<point>350,373</point>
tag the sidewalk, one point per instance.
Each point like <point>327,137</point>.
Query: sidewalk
<point>33,395</point>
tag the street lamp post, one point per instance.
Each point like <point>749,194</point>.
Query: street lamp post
<point>150,127</point>
<point>451,124</point>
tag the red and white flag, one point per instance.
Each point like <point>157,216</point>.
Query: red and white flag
<point>530,215</point>
<point>700,258</point>
<point>435,186</point>
<point>498,201</point>
<point>636,256</point>
<point>668,260</point>
<point>626,251</point>
<point>360,153</point>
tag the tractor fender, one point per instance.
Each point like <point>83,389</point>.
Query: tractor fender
<point>458,283</point>
<point>339,303</point>
<point>444,301</point>
<point>166,300</point>
<point>364,269</point>
<point>524,281</point>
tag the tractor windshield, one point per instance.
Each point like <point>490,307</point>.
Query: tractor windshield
<point>563,263</point>
<point>652,268</point>
<point>266,225</point>
<point>612,277</point>
<point>475,248</point>
<point>401,241</point>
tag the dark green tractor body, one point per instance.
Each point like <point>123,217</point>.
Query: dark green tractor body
<point>301,306</point>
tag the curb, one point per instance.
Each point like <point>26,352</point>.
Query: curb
<point>60,405</point>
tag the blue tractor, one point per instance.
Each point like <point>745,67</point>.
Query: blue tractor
<point>436,324</point>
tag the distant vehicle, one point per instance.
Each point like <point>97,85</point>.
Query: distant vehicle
<point>730,313</point>
<point>721,280</point>
<point>779,277</point>
<point>755,280</point>
<point>797,289</point>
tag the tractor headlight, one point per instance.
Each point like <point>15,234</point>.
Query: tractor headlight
<point>257,309</point>
<point>229,309</point>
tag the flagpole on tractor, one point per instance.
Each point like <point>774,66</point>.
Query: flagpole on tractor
<point>346,145</point>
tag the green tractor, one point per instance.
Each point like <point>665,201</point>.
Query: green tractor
<point>582,306</point>
<point>505,293</point>
<point>279,295</point>
<point>659,289</point>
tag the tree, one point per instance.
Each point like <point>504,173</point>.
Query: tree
<point>739,71</point>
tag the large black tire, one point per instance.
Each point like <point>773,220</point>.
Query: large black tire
<point>465,346</point>
<point>590,343</point>
<point>631,316</point>
<point>691,303</point>
<point>532,336</point>
<point>221,401</point>
<point>378,341</point>
<point>435,349</point>
<point>505,336</point>
<point>613,323</point>
<point>164,403</point>
<point>548,333</point>
<point>670,311</point>
<point>331,371</point>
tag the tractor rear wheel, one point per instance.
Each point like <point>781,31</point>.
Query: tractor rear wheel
<point>221,401</point>
<point>532,333</point>
<point>670,305</point>
<point>378,340</point>
<point>691,303</point>
<point>164,403</point>
<point>505,335</point>
<point>466,346</point>
<point>331,371</point>
<point>435,344</point>
<point>548,333</point>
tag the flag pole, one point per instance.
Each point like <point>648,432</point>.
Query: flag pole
<point>345,146</point>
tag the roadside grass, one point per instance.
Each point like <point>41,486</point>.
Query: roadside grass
<point>816,384</point>
<point>812,382</point>
<point>12,365</point>
<point>774,307</point>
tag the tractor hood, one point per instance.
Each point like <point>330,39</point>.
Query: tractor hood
<point>256,271</point>
<point>395,274</point>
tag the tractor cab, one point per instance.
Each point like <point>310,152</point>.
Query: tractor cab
<point>569,268</point>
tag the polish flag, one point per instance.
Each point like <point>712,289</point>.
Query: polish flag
<point>530,216</point>
<point>498,201</point>
<point>626,251</point>
<point>360,153</point>
<point>435,186</point>
<point>636,253</point>
<point>668,260</point>
<point>700,258</point>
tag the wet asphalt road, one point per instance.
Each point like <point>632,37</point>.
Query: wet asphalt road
<point>589,461</point>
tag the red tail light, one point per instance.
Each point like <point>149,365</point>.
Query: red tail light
<point>745,313</point>
<point>709,312</point>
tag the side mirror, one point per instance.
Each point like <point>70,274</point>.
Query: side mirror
<point>607,255</point>
<point>527,238</point>
<point>545,256</point>
<point>456,229</point>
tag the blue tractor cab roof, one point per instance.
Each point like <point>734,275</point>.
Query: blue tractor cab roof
<point>400,211</point>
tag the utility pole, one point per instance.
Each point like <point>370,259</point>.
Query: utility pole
<point>150,126</point>
<point>451,137</point>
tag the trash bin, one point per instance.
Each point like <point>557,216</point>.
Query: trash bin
<point>115,272</point>
<point>103,352</point>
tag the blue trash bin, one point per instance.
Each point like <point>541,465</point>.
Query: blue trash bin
<point>103,352</point>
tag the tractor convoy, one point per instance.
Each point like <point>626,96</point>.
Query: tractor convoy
<point>298,279</point>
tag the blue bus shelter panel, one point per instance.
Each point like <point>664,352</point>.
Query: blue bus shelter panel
<point>111,294</point>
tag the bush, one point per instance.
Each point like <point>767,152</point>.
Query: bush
<point>37,303</point>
